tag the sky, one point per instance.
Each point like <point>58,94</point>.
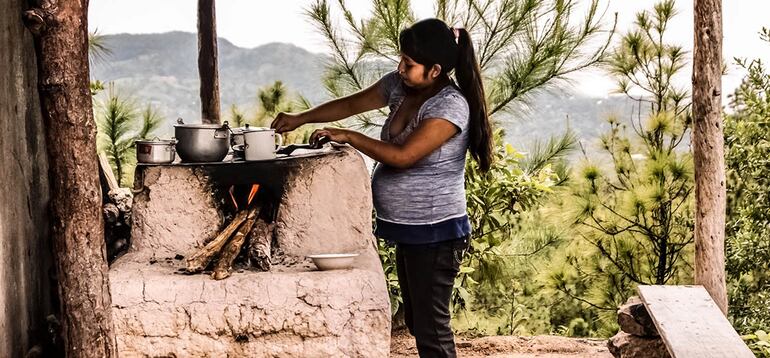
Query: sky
<point>250,23</point>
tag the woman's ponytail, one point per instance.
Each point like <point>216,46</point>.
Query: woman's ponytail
<point>469,79</point>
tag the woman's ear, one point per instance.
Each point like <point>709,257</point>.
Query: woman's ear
<point>435,71</point>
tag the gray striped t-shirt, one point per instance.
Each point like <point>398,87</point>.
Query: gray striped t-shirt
<point>433,189</point>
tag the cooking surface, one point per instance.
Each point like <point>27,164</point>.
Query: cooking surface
<point>230,159</point>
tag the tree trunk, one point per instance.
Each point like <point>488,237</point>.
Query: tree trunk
<point>708,151</point>
<point>61,43</point>
<point>207,61</point>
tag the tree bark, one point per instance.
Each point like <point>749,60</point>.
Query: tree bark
<point>708,151</point>
<point>61,43</point>
<point>207,61</point>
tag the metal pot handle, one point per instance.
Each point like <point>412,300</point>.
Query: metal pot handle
<point>225,128</point>
<point>180,120</point>
<point>279,138</point>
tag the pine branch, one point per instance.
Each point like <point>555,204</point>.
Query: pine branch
<point>542,154</point>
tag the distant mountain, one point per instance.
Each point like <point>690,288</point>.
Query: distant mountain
<point>549,114</point>
<point>162,69</point>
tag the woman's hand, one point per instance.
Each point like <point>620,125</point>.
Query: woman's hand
<point>285,122</point>
<point>334,134</point>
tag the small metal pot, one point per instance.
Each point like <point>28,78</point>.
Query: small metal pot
<point>236,136</point>
<point>198,143</point>
<point>155,151</point>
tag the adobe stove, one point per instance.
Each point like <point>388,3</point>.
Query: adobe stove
<point>218,261</point>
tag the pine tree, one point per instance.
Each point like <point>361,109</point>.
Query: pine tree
<point>633,212</point>
<point>119,124</point>
<point>523,46</point>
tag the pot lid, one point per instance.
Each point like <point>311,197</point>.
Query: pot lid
<point>200,126</point>
<point>181,124</point>
<point>239,130</point>
<point>155,140</point>
<point>258,129</point>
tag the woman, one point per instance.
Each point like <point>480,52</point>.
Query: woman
<point>418,185</point>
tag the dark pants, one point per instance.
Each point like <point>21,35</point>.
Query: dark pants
<point>426,274</point>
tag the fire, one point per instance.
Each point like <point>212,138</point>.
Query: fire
<point>252,194</point>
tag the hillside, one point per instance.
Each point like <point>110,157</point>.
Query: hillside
<point>162,69</point>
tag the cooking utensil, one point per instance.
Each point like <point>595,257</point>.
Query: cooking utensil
<point>260,143</point>
<point>333,261</point>
<point>155,151</point>
<point>320,142</point>
<point>202,142</point>
<point>287,150</point>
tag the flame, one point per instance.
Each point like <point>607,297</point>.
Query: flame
<point>252,193</point>
<point>232,197</point>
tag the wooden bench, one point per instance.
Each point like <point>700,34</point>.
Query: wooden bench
<point>691,324</point>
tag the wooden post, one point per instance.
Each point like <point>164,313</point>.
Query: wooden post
<point>708,151</point>
<point>207,61</point>
<point>60,29</point>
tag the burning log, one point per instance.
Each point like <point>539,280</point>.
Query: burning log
<point>198,261</point>
<point>260,240</point>
<point>226,258</point>
<point>246,225</point>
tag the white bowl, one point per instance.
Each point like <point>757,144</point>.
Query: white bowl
<point>333,261</point>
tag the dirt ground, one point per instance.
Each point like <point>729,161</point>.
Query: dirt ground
<point>402,345</point>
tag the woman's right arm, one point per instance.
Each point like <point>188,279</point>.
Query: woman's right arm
<point>334,110</point>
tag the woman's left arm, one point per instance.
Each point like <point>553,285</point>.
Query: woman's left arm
<point>427,137</point>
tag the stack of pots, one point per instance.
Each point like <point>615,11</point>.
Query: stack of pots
<point>255,143</point>
<point>237,142</point>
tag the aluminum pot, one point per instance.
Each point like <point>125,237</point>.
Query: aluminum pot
<point>198,143</point>
<point>155,151</point>
<point>236,136</point>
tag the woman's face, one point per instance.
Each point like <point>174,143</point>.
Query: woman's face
<point>414,74</point>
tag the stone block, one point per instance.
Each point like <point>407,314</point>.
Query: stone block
<point>633,318</point>
<point>624,345</point>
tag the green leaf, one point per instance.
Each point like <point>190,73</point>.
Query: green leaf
<point>463,293</point>
<point>466,269</point>
<point>761,335</point>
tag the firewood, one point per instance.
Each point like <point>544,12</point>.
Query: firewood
<point>260,240</point>
<point>106,174</point>
<point>233,247</point>
<point>199,260</point>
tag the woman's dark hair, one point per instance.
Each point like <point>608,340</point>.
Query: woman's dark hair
<point>430,42</point>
